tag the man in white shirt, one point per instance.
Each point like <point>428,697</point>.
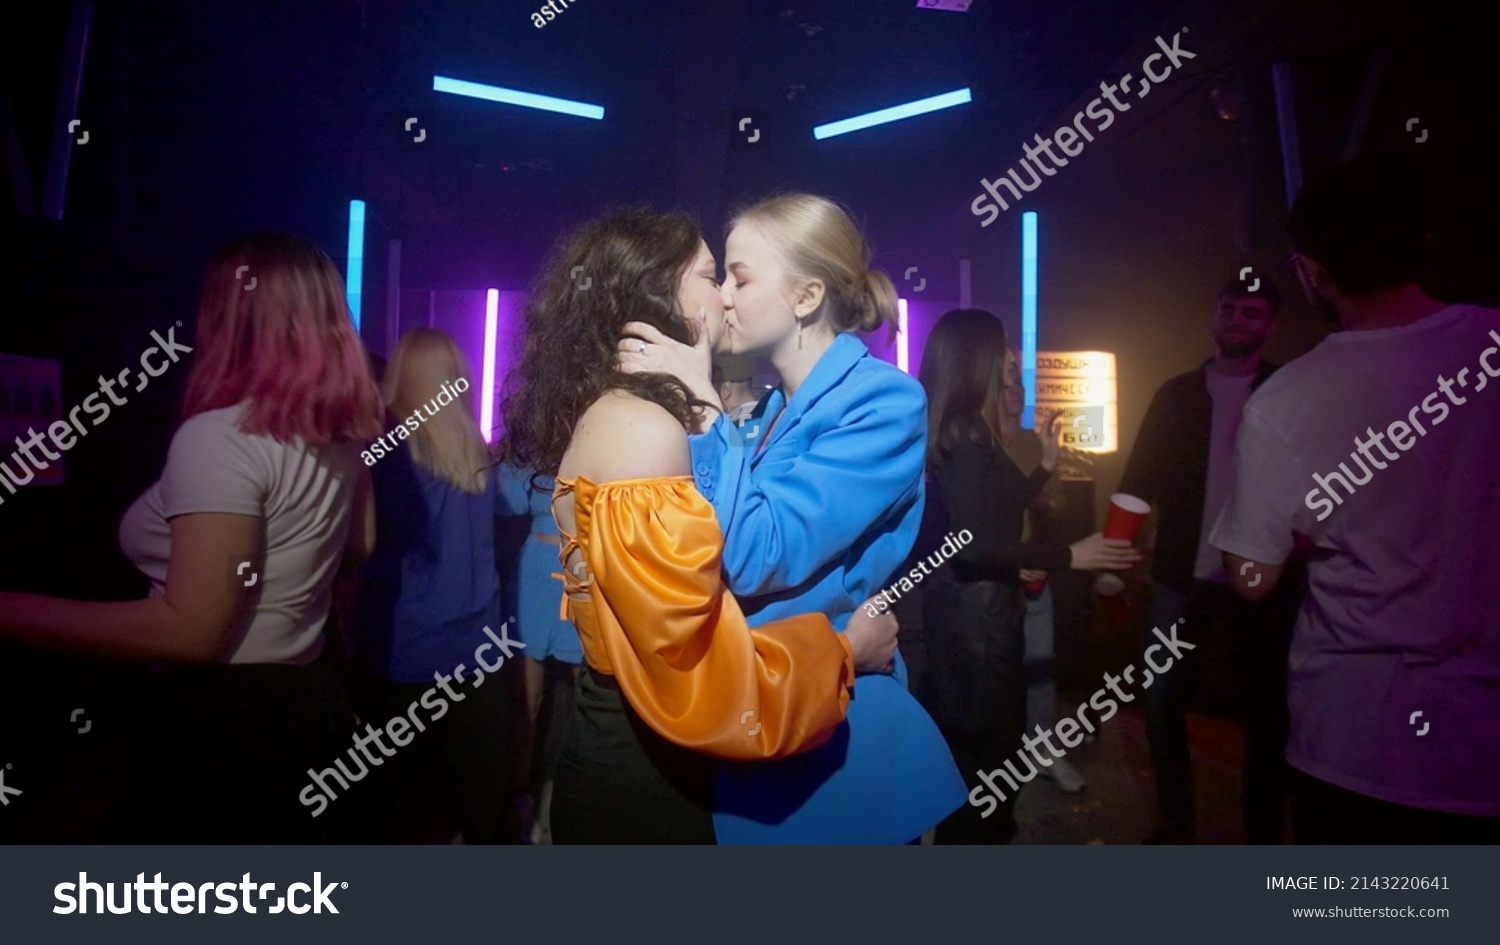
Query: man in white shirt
<point>1377,453</point>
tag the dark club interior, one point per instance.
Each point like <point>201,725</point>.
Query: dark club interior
<point>342,342</point>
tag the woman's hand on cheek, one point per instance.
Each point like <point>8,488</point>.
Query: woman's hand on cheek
<point>690,364</point>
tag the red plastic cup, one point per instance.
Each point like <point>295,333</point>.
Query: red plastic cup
<point>1126,515</point>
<point>1034,588</point>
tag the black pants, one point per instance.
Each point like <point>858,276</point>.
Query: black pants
<point>1261,655</point>
<point>222,755</point>
<point>1326,813</point>
<point>1261,637</point>
<point>454,775</point>
<point>620,782</point>
<point>974,632</point>
<point>973,753</point>
<point>555,716</point>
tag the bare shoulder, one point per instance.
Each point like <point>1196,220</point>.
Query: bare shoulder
<point>621,436</point>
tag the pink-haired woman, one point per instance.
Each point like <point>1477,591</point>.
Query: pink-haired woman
<point>241,539</point>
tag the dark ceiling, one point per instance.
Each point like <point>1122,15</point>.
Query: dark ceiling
<point>276,112</point>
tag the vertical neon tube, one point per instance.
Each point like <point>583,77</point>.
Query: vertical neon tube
<point>1028,316</point>
<point>487,389</point>
<point>355,275</point>
<point>902,338</point>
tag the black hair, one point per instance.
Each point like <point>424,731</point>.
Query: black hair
<point>963,374</point>
<point>632,261</point>
<point>1365,222</point>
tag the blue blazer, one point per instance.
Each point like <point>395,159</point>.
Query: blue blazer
<point>818,514</point>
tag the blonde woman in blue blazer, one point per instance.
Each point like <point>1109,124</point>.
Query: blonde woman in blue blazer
<point>820,499</point>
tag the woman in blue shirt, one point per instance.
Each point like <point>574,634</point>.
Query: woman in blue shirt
<point>820,503</point>
<point>428,595</point>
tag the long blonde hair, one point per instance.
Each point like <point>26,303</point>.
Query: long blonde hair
<point>447,443</point>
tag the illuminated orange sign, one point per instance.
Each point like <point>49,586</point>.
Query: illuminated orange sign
<point>1080,384</point>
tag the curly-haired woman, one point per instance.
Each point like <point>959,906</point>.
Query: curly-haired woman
<point>676,679</point>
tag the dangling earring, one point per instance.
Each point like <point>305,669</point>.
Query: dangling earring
<point>799,334</point>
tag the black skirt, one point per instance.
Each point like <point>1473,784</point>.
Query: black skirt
<point>620,782</point>
<point>974,633</point>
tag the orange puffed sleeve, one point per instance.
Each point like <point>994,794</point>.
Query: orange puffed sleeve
<point>678,643</point>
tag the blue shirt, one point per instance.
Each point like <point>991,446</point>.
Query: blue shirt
<point>430,586</point>
<point>517,497</point>
<point>817,520</point>
<point>532,593</point>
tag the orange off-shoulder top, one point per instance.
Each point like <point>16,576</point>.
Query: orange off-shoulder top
<point>651,609</point>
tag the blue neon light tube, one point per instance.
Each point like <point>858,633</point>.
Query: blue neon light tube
<point>355,274</point>
<point>894,113</point>
<point>495,93</point>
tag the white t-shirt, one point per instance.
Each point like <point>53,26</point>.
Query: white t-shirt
<point>304,497</point>
<point>1229,395</point>
<point>1395,664</point>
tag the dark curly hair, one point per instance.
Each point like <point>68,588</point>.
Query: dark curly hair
<point>629,265</point>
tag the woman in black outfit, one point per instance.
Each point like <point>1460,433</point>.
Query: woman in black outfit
<point>973,611</point>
